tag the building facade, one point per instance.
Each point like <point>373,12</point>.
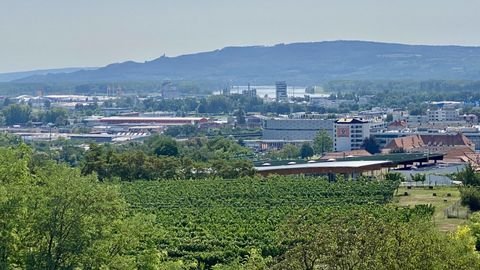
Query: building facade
<point>281,91</point>
<point>295,129</point>
<point>350,133</point>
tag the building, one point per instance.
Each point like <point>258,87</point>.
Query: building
<point>346,154</point>
<point>166,121</point>
<point>453,145</point>
<point>384,138</point>
<point>417,120</point>
<point>350,133</point>
<point>349,169</point>
<point>295,129</point>
<point>397,125</point>
<point>281,91</point>
<point>442,115</point>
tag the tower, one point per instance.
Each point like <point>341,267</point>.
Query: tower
<point>281,91</point>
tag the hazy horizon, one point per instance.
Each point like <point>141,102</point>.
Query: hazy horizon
<point>58,34</point>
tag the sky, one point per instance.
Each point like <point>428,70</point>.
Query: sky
<point>42,34</point>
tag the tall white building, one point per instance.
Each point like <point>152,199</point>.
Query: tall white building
<point>350,133</point>
<point>281,91</point>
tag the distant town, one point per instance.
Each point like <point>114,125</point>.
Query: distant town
<point>268,120</point>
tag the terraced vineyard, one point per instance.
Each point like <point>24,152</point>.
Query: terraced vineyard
<point>214,221</point>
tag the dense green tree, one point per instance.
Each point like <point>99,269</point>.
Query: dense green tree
<point>371,145</point>
<point>51,217</point>
<point>322,143</point>
<point>17,114</point>
<point>181,131</point>
<point>306,151</point>
<point>163,146</point>
<point>96,161</point>
<point>57,116</point>
<point>240,117</point>
<point>468,176</point>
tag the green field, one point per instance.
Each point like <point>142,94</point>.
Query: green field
<point>216,221</point>
<point>441,202</point>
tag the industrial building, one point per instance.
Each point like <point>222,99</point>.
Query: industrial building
<point>295,129</point>
<point>117,120</point>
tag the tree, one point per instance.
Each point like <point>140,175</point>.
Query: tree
<point>240,116</point>
<point>52,218</point>
<point>164,146</point>
<point>16,114</point>
<point>57,116</point>
<point>322,143</point>
<point>289,151</point>
<point>360,239</point>
<point>306,151</point>
<point>371,145</point>
<point>468,176</point>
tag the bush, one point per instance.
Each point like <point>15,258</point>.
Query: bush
<point>470,197</point>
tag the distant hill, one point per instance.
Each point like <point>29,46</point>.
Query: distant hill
<point>11,76</point>
<point>297,63</point>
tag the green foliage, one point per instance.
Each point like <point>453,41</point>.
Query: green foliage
<point>468,176</point>
<point>419,177</point>
<point>17,114</point>
<point>306,151</point>
<point>470,192</point>
<point>322,143</point>
<point>181,131</point>
<point>470,196</point>
<point>395,176</point>
<point>51,217</point>
<point>365,240</point>
<point>371,145</point>
<point>138,162</point>
<point>163,146</point>
<point>57,116</point>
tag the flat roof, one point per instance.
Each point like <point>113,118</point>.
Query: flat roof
<point>152,118</point>
<point>334,164</point>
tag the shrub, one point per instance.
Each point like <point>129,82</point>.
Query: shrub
<point>470,197</point>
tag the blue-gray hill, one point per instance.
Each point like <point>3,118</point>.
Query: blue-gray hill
<point>302,63</point>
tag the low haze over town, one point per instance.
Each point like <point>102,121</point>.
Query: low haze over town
<point>253,135</point>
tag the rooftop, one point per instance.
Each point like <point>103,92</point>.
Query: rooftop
<point>335,164</point>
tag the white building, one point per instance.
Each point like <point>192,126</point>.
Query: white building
<point>350,133</point>
<point>443,115</point>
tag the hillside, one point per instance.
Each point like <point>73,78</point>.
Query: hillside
<point>11,76</point>
<point>297,63</point>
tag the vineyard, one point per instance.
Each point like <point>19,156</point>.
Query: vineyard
<point>216,221</point>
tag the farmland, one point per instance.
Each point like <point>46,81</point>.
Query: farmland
<point>217,221</point>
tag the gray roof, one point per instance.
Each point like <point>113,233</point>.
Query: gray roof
<point>334,164</point>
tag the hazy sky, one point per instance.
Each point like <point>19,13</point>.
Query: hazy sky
<point>37,34</point>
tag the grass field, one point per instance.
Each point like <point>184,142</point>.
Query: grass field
<point>441,202</point>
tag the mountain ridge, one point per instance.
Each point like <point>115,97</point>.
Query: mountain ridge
<point>304,62</point>
<point>11,76</point>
